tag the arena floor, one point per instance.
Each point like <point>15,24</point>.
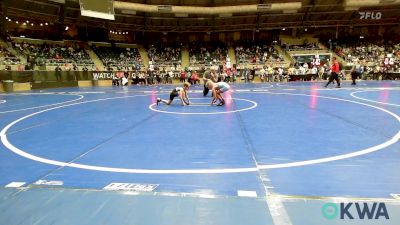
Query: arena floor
<point>274,154</point>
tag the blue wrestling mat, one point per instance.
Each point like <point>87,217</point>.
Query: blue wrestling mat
<point>274,154</point>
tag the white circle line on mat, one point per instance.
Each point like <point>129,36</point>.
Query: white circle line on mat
<point>352,94</point>
<point>43,106</point>
<point>22,153</point>
<point>151,107</point>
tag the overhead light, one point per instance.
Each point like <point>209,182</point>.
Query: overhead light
<point>24,24</point>
<point>46,24</point>
<point>361,37</point>
<point>305,29</point>
<point>9,20</point>
<point>41,24</point>
<point>66,28</point>
<point>32,24</point>
<point>27,21</point>
<point>6,18</point>
<point>119,33</point>
<point>127,32</point>
<point>16,22</point>
<point>283,28</point>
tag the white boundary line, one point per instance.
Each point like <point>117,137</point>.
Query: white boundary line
<point>42,106</point>
<point>391,141</point>
<point>15,184</point>
<point>283,85</point>
<point>22,153</point>
<point>368,100</point>
<point>151,107</point>
<point>277,210</point>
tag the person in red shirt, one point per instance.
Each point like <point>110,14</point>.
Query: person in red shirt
<point>335,69</point>
<point>194,78</point>
<point>183,76</point>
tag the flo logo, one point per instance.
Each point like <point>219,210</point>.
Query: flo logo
<point>355,210</point>
<point>370,15</point>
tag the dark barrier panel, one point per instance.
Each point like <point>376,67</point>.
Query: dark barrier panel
<point>54,84</point>
<point>5,75</point>
<point>84,75</point>
<point>60,76</point>
<point>22,76</point>
<point>41,76</point>
<point>55,76</point>
<point>16,76</point>
<point>68,76</point>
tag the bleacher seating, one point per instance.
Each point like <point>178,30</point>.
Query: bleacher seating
<point>207,53</point>
<point>165,55</point>
<point>7,58</point>
<point>118,57</point>
<point>256,53</point>
<point>372,52</point>
<point>47,54</point>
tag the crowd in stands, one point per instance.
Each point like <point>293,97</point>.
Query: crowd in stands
<point>118,58</point>
<point>396,49</point>
<point>7,58</point>
<point>165,55</point>
<point>207,54</point>
<point>368,51</point>
<point>304,46</point>
<point>54,54</point>
<point>208,59</point>
<point>257,53</point>
<point>373,51</point>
